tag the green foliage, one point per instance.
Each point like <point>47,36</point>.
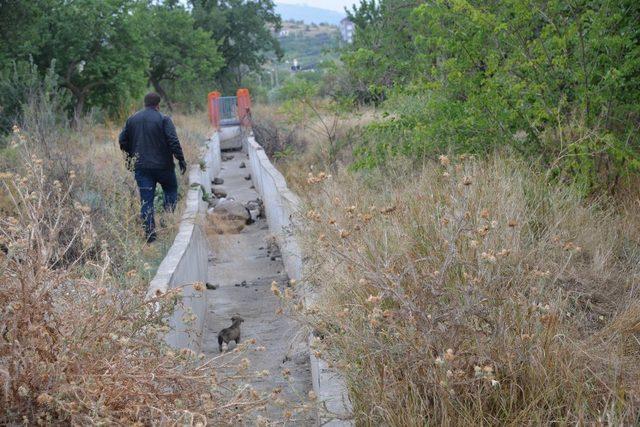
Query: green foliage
<point>298,101</point>
<point>95,46</point>
<point>22,26</point>
<point>27,98</point>
<point>244,31</point>
<point>284,153</point>
<point>553,80</point>
<point>298,89</point>
<point>180,55</point>
<point>105,53</point>
<point>310,49</point>
<point>98,50</point>
<point>383,53</point>
<point>17,81</point>
<point>314,116</point>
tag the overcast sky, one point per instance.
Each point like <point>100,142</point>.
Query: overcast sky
<point>337,5</point>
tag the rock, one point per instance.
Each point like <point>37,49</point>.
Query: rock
<point>211,287</point>
<point>219,192</point>
<point>227,157</point>
<point>253,205</point>
<point>251,216</point>
<point>256,207</point>
<point>248,177</point>
<point>232,210</point>
<point>242,165</point>
<point>217,181</point>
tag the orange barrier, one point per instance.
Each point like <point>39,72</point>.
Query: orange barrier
<point>213,104</point>
<point>244,107</point>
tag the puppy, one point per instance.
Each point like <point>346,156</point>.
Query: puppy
<point>232,333</point>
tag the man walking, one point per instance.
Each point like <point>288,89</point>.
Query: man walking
<point>149,138</point>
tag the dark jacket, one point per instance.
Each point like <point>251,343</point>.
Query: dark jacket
<point>150,137</point>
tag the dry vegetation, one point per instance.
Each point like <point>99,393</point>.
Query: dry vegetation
<point>78,343</point>
<point>308,140</point>
<point>475,292</point>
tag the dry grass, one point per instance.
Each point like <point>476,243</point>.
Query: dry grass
<point>299,144</point>
<point>216,224</point>
<point>78,342</point>
<point>475,292</point>
<point>193,131</point>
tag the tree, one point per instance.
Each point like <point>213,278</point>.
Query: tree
<point>99,51</point>
<point>106,52</point>
<point>381,26</point>
<point>22,26</point>
<point>245,32</point>
<point>552,79</point>
<point>179,53</point>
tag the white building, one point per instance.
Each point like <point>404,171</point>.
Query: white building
<point>347,29</point>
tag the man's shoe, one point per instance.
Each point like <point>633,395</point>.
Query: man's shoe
<point>151,238</point>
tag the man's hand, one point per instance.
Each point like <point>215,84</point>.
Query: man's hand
<point>183,166</point>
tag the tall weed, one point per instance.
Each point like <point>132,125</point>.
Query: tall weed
<point>474,292</point>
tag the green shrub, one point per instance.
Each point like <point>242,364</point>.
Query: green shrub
<point>554,81</point>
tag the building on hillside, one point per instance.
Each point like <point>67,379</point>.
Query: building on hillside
<point>346,30</point>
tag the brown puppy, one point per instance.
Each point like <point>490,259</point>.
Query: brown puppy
<point>232,333</point>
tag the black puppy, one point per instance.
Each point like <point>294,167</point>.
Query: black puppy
<point>232,333</point>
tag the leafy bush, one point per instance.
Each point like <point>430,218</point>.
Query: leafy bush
<point>551,80</point>
<point>20,83</point>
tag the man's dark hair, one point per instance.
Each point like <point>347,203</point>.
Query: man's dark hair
<point>151,99</point>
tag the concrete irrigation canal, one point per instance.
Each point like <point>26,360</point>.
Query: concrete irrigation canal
<point>242,261</point>
<point>243,267</point>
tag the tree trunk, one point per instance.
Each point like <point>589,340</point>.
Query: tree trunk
<point>238,76</point>
<point>158,88</point>
<point>78,108</point>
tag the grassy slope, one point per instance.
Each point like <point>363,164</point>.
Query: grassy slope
<point>308,44</point>
<point>470,291</point>
<point>476,293</point>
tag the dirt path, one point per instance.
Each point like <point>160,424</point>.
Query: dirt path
<point>243,270</point>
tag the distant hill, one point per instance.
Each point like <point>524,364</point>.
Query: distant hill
<point>308,14</point>
<point>309,44</point>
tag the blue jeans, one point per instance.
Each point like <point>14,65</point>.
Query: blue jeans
<point>147,180</point>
